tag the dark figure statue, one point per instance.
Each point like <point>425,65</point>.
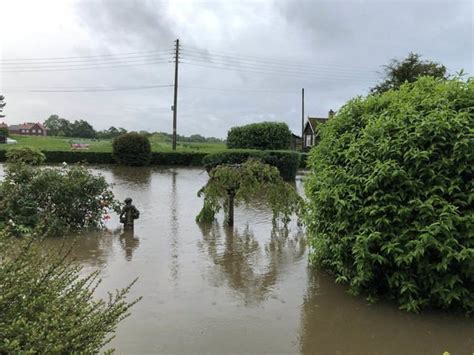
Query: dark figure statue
<point>128,214</point>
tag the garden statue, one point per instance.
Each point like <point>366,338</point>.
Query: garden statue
<point>128,214</point>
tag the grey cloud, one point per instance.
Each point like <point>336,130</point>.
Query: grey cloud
<point>142,24</point>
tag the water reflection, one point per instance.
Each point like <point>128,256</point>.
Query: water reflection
<point>137,176</point>
<point>174,239</point>
<point>129,242</point>
<point>334,322</point>
<point>247,266</point>
<point>90,249</point>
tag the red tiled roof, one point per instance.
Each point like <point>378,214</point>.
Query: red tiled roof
<point>30,125</point>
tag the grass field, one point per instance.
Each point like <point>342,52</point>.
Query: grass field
<point>64,144</point>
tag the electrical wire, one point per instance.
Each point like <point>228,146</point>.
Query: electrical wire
<point>270,60</point>
<point>86,56</point>
<point>249,70</point>
<point>277,70</point>
<point>85,67</point>
<point>88,89</point>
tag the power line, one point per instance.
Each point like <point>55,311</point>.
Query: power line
<point>11,66</point>
<point>269,60</point>
<point>88,89</point>
<point>86,56</point>
<point>250,70</point>
<point>277,70</point>
<point>85,67</point>
<point>238,90</point>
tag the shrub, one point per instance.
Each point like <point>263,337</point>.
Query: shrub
<point>264,135</point>
<point>287,162</point>
<point>132,149</point>
<point>54,200</point>
<point>25,155</point>
<point>48,307</point>
<point>390,195</point>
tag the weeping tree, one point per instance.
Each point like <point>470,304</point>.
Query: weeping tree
<point>229,185</point>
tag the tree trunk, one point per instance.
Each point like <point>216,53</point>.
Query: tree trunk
<point>230,211</point>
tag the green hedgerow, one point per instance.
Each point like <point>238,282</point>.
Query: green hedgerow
<point>132,149</point>
<point>390,195</point>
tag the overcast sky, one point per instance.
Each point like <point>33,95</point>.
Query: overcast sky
<point>242,61</point>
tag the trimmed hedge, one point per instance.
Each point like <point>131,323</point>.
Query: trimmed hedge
<point>177,158</point>
<point>157,158</point>
<point>231,156</point>
<point>78,156</point>
<point>263,135</point>
<point>287,162</point>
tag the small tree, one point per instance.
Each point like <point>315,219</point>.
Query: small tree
<point>229,185</point>
<point>409,70</point>
<point>132,149</point>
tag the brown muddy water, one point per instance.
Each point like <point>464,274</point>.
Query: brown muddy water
<point>246,290</point>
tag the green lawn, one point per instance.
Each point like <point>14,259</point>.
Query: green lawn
<point>63,144</point>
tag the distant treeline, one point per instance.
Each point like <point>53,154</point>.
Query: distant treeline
<point>58,126</point>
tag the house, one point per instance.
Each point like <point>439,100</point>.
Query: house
<point>28,129</point>
<point>311,130</point>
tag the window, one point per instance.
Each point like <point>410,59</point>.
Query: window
<point>308,140</point>
<point>39,131</point>
<point>33,130</point>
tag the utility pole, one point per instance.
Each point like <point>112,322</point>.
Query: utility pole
<point>175,102</point>
<point>302,119</point>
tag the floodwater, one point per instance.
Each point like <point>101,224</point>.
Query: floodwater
<point>246,290</point>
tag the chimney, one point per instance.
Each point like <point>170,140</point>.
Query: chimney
<point>331,113</point>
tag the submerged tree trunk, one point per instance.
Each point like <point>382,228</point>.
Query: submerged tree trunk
<point>230,208</point>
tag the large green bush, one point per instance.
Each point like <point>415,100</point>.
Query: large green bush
<point>390,195</point>
<point>47,305</point>
<point>264,135</point>
<point>132,149</point>
<point>54,200</point>
<point>287,162</point>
